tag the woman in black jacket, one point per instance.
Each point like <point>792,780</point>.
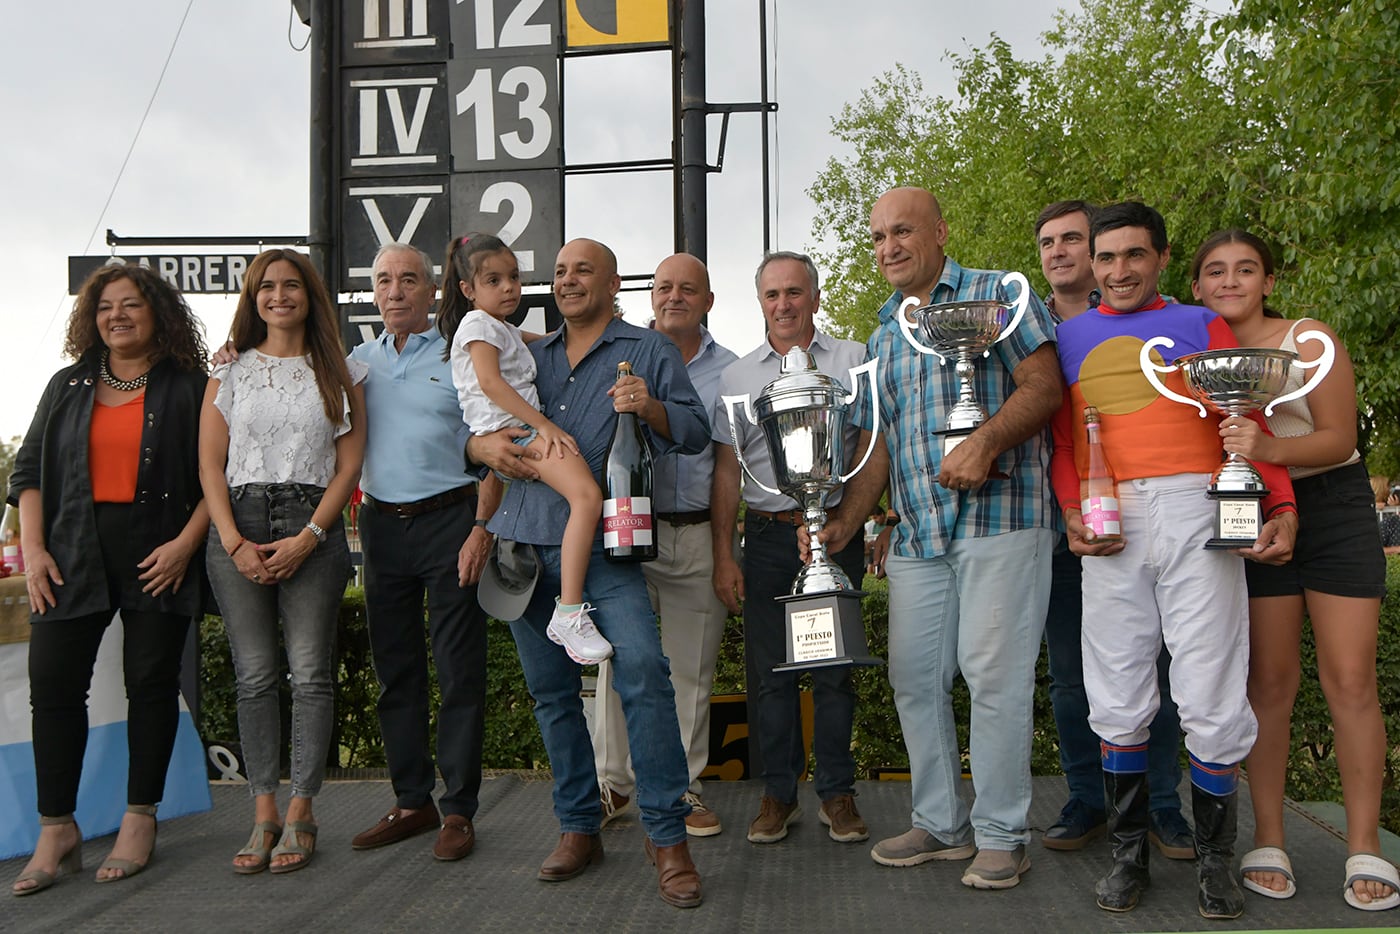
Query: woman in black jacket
<point>111,518</point>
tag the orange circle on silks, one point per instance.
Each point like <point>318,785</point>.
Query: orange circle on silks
<point>1111,379</point>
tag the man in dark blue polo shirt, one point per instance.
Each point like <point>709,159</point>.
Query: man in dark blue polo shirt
<point>578,392</point>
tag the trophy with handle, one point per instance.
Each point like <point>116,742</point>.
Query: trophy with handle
<point>1237,381</point>
<point>802,415</point>
<point>965,330</point>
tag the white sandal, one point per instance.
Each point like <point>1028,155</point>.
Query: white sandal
<point>1268,859</point>
<point>1367,867</point>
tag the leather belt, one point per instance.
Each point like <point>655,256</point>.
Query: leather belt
<point>418,507</point>
<point>685,518</point>
<point>794,517</point>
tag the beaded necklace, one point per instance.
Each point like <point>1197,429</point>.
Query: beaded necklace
<point>123,385</point>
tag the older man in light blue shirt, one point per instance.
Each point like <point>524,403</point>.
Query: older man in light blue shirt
<point>421,534</point>
<point>678,581</point>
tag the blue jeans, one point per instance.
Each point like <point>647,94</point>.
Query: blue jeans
<point>642,679</point>
<point>980,608</point>
<point>308,606</point>
<point>1079,745</point>
<point>770,563</point>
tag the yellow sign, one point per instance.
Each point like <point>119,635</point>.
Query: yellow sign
<point>591,23</point>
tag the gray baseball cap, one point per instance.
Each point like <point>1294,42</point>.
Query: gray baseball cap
<point>508,580</point>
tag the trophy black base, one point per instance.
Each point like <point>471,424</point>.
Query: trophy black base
<point>825,630</point>
<point>1238,519</point>
<point>952,437</point>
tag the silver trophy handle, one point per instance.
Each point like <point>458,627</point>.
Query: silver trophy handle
<point>1151,369</point>
<point>1023,300</point>
<point>729,403</point>
<point>908,328</point>
<point>1323,365</point>
<point>872,368</point>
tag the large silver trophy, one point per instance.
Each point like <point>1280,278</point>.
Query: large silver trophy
<point>1237,382</point>
<point>802,415</point>
<point>965,330</point>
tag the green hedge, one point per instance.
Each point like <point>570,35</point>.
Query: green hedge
<point>513,741</point>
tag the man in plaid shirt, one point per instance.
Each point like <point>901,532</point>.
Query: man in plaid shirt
<point>969,566</point>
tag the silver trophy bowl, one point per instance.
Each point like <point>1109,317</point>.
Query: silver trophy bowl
<point>802,415</point>
<point>964,330</point>
<point>1238,381</point>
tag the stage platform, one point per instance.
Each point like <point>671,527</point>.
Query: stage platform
<point>807,883</point>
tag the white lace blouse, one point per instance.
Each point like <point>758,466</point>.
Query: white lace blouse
<point>277,428</point>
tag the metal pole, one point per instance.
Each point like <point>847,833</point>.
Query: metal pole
<point>763,115</point>
<point>322,216</point>
<point>693,146</point>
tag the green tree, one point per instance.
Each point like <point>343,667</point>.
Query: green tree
<point>1279,117</point>
<point>8,450</point>
<point>1104,115</point>
<point>1318,93</point>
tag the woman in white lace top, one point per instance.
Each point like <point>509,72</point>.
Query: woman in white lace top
<point>281,441</point>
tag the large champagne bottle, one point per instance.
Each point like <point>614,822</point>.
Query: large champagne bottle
<point>1099,495</point>
<point>629,523</point>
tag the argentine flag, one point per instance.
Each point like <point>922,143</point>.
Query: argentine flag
<point>102,792</point>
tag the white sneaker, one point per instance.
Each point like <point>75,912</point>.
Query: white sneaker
<point>579,637</point>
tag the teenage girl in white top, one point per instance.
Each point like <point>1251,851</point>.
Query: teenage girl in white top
<point>1337,575</point>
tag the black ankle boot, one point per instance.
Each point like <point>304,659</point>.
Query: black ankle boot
<point>1125,796</point>
<point>1218,895</point>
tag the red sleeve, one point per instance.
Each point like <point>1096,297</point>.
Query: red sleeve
<point>1221,337</point>
<point>1276,478</point>
<point>1064,475</point>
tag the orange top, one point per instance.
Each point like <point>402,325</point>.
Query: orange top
<point>114,450</point>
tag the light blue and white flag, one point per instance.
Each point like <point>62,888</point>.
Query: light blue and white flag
<point>102,792</point>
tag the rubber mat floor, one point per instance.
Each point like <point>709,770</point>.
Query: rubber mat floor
<point>806,883</point>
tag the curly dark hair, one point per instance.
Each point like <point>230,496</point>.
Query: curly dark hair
<point>323,343</point>
<point>178,333</point>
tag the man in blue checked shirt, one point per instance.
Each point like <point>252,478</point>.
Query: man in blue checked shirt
<point>580,393</point>
<point>969,566</point>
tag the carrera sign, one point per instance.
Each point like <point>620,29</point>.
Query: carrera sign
<point>192,274</point>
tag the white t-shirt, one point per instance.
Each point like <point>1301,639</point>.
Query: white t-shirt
<point>517,369</point>
<point>277,427</point>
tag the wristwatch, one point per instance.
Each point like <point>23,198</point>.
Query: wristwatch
<point>317,531</point>
<point>891,520</point>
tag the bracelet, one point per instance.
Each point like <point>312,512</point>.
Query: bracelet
<point>891,521</point>
<point>241,542</point>
<point>317,531</point>
<point>480,523</point>
<point>1286,504</point>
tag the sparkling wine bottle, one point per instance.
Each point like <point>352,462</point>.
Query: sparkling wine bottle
<point>1099,492</point>
<point>629,522</point>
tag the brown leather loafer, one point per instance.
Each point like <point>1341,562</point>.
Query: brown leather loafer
<point>575,853</point>
<point>676,876</point>
<point>455,839</point>
<point>396,826</point>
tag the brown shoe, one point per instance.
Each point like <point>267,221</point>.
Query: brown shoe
<point>575,853</point>
<point>676,876</point>
<point>772,821</point>
<point>614,803</point>
<point>701,821</point>
<point>396,826</point>
<point>455,839</point>
<point>845,823</point>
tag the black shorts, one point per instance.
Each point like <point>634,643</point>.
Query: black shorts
<point>1339,541</point>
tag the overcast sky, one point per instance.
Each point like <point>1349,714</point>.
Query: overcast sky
<point>224,151</point>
